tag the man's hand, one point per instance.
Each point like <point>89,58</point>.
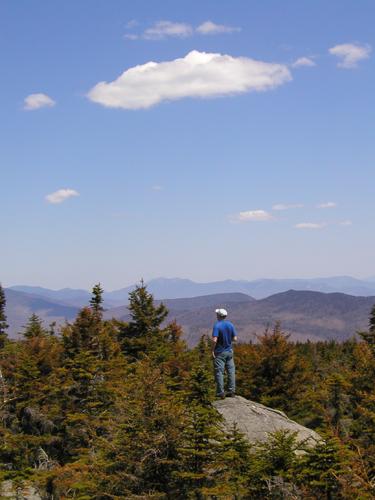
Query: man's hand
<point>213,354</point>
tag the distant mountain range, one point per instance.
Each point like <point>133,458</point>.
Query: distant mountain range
<point>253,305</point>
<point>303,314</point>
<point>174,288</point>
<point>20,306</point>
<point>65,296</point>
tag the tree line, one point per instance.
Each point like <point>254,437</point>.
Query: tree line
<point>106,409</point>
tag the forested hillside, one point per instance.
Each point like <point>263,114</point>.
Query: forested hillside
<point>108,409</point>
<point>305,315</point>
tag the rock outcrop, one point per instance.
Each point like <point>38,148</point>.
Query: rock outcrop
<point>256,421</point>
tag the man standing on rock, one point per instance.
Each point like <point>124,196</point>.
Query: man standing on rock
<point>223,334</point>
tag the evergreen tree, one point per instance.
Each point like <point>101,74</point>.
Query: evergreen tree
<point>96,301</point>
<point>233,467</point>
<point>319,470</point>
<point>3,318</point>
<point>90,352</point>
<point>28,427</point>
<point>143,334</point>
<point>82,334</point>
<point>271,466</point>
<point>369,336</point>
<point>176,364</point>
<point>140,451</point>
<point>245,354</point>
<point>201,439</point>
<point>279,375</point>
<point>338,401</point>
<point>34,328</point>
<point>372,321</point>
<point>364,428</point>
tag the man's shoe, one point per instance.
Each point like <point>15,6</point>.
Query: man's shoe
<point>231,394</point>
<point>221,396</point>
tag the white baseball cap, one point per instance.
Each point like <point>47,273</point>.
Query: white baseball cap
<point>221,312</point>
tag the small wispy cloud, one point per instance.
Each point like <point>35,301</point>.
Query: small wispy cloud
<point>131,24</point>
<point>131,36</point>
<point>210,28</point>
<point>165,29</point>
<point>303,61</point>
<point>252,215</point>
<point>37,101</point>
<point>310,225</point>
<point>346,223</point>
<point>157,187</point>
<point>328,204</point>
<point>350,54</point>
<point>61,195</point>
<point>282,206</point>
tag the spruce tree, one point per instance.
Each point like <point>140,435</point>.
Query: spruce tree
<point>233,466</point>
<point>176,364</point>
<point>279,375</point>
<point>82,334</point>
<point>201,439</point>
<point>143,334</point>
<point>320,468</point>
<point>245,355</point>
<point>3,318</point>
<point>96,301</point>
<point>89,350</point>
<point>369,336</point>
<point>271,466</point>
<point>338,404</point>
<point>140,451</point>
<point>34,328</point>
<point>372,320</point>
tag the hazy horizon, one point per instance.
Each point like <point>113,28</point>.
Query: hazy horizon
<point>88,287</point>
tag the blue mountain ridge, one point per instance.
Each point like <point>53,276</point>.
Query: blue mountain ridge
<point>173,288</point>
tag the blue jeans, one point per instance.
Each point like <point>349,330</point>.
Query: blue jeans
<point>224,361</point>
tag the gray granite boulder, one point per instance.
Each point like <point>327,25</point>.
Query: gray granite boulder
<point>256,421</point>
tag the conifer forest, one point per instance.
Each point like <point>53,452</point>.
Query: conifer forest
<point>105,409</point>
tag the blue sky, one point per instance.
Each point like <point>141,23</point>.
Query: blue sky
<point>177,168</point>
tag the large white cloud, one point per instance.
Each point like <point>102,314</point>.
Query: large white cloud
<point>198,74</point>
<point>350,54</point>
<point>61,195</point>
<point>36,101</point>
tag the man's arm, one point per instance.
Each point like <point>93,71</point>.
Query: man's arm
<point>215,336</point>
<point>214,341</point>
<point>234,335</point>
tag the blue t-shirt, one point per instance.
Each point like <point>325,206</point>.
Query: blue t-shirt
<point>224,331</point>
